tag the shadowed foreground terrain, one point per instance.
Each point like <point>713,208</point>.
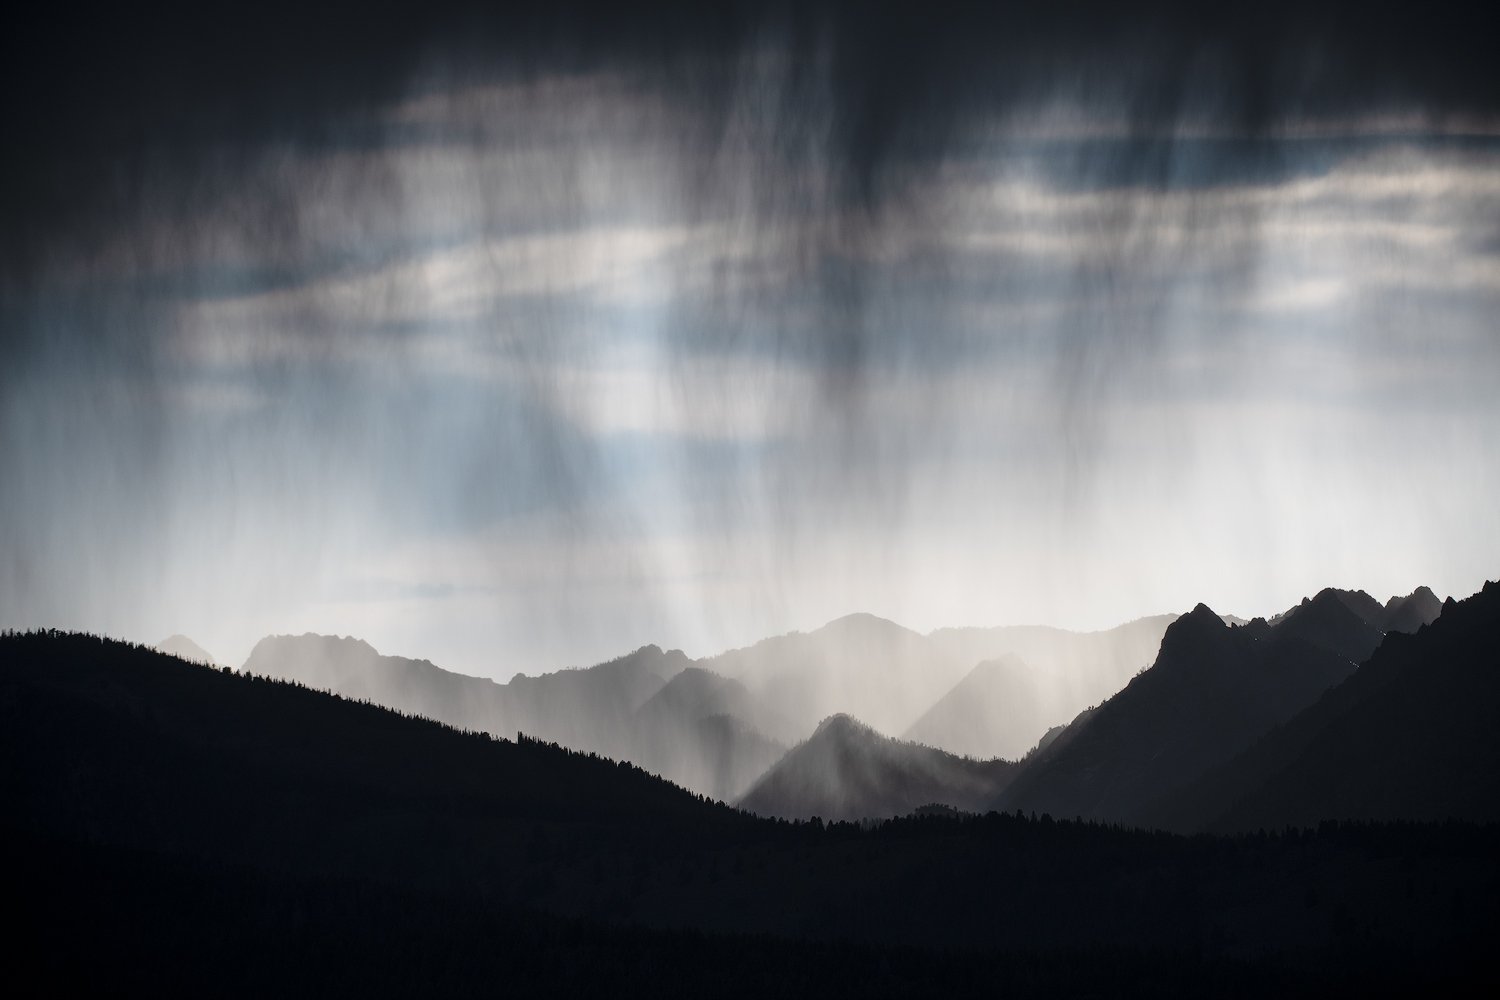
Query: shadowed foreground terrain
<point>178,828</point>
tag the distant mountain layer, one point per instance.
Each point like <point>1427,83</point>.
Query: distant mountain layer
<point>718,724</point>
<point>695,732</point>
<point>847,771</point>
<point>999,709</point>
<point>925,687</point>
<point>183,647</point>
<point>1413,734</point>
<point>862,665</point>
<point>1029,679</point>
<point>1212,692</point>
<point>650,706</point>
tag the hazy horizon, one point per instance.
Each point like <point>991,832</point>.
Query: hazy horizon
<point>498,672</point>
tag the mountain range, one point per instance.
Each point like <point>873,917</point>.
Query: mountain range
<point>649,706</point>
<point>1410,735</point>
<point>718,724</point>
<point>1025,679</point>
<point>1176,698</point>
<point>269,834</point>
<point>1213,690</point>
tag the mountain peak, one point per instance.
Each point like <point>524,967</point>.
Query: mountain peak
<point>1423,593</point>
<point>1201,619</point>
<point>843,726</point>
<point>342,643</point>
<point>1408,614</point>
<point>848,771</point>
<point>862,622</point>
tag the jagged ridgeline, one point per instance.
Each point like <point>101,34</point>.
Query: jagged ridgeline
<point>718,725</point>
<point>1108,725</point>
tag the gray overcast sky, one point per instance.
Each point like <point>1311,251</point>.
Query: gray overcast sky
<point>516,369</point>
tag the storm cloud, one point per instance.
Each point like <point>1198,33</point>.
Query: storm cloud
<point>520,340</point>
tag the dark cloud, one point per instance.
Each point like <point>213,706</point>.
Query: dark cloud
<point>96,100</point>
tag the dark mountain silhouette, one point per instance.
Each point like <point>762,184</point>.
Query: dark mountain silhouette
<point>1409,613</point>
<point>1212,692</point>
<point>1413,734</point>
<point>848,771</point>
<point>1001,708</point>
<point>1323,623</point>
<point>1348,623</point>
<point>184,648</point>
<point>200,829</point>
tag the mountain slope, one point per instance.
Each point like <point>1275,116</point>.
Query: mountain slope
<point>184,648</point>
<point>1347,623</point>
<point>847,771</point>
<point>352,668</point>
<point>1413,734</point>
<point>1212,691</point>
<point>1065,672</point>
<point>1409,613</point>
<point>694,732</point>
<point>860,664</point>
<point>587,709</point>
<point>142,751</point>
<point>592,708</point>
<point>692,728</point>
<point>993,712</point>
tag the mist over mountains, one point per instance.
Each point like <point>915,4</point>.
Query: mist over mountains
<point>717,725</point>
<point>1108,725</point>
<point>230,805</point>
<point>1044,677</point>
<point>848,771</point>
<point>184,648</point>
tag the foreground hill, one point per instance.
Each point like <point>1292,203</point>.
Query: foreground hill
<point>1213,690</point>
<point>184,648</point>
<point>354,669</point>
<point>200,831</point>
<point>1413,734</point>
<point>847,771</point>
